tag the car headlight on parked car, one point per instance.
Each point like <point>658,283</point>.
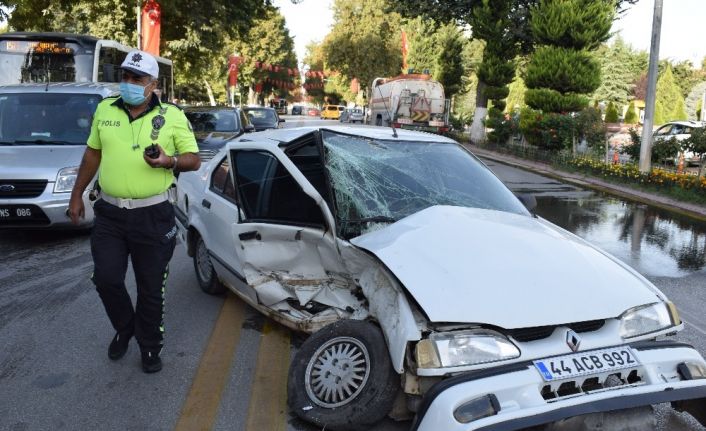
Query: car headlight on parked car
<point>648,318</point>
<point>454,349</point>
<point>65,180</point>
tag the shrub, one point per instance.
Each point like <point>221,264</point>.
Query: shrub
<point>611,113</point>
<point>549,100</point>
<point>549,131</point>
<point>590,125</point>
<point>631,114</point>
<point>504,126</point>
<point>666,149</point>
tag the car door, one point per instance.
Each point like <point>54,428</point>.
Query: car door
<point>218,211</point>
<point>285,238</point>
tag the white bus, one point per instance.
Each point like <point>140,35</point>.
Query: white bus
<point>64,57</point>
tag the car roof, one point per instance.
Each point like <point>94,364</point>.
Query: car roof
<point>283,137</point>
<point>105,89</point>
<point>209,108</point>
<point>258,108</point>
<point>686,123</point>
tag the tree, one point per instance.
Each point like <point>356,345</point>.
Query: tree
<point>611,113</point>
<point>669,95</point>
<point>686,77</point>
<point>364,42</point>
<point>621,66</point>
<point>269,42</point>
<point>659,113</point>
<point>422,43</point>
<point>631,114</point>
<point>448,67</point>
<point>562,68</point>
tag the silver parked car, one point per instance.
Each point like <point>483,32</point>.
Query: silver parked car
<point>43,134</point>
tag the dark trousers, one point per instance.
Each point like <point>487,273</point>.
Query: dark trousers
<point>148,236</point>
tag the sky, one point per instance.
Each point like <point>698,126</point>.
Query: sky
<point>683,35</point>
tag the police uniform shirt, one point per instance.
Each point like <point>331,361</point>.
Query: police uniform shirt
<point>123,172</point>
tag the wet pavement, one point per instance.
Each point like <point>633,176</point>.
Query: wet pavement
<point>654,241</point>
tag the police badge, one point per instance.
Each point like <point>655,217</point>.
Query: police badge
<point>157,122</point>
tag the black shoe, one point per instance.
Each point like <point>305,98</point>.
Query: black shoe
<point>151,363</point>
<point>119,346</point>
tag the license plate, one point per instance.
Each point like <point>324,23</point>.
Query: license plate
<point>581,364</point>
<point>15,212</point>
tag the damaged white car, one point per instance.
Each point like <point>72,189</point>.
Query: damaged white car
<point>429,289</point>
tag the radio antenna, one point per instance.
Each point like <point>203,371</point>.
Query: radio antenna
<point>389,113</point>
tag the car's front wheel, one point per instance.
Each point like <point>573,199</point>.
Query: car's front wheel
<point>342,378</point>
<point>205,274</point>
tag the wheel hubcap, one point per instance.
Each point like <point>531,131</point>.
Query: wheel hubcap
<point>203,261</point>
<point>337,372</point>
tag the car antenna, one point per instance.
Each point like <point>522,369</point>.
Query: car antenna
<point>389,114</point>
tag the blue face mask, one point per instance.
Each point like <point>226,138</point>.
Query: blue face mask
<point>132,94</point>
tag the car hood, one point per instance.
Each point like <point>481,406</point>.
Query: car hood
<point>38,161</point>
<point>214,139</point>
<point>513,271</point>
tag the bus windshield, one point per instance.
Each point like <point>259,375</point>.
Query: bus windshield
<point>43,61</point>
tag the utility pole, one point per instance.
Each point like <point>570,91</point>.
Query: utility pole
<point>646,145</point>
<point>139,24</point>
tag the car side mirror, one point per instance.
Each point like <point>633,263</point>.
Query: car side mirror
<point>281,120</point>
<point>249,128</point>
<point>529,201</point>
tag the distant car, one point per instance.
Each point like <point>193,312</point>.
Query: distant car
<point>43,134</point>
<point>263,118</point>
<point>214,125</point>
<point>297,110</point>
<point>680,130</point>
<point>313,112</point>
<point>426,284</point>
<point>332,112</point>
<point>352,116</point>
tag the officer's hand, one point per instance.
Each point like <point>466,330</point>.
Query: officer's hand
<point>163,161</point>
<point>76,209</point>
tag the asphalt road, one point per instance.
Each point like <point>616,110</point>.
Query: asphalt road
<point>224,365</point>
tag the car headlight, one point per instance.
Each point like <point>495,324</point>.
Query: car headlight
<point>65,180</point>
<point>648,318</point>
<point>453,349</point>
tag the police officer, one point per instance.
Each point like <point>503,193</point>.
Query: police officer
<point>134,216</point>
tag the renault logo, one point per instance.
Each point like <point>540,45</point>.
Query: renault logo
<point>7,188</point>
<point>573,340</point>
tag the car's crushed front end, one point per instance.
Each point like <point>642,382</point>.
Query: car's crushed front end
<point>523,394</point>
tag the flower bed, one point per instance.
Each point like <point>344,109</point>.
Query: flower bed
<point>682,186</point>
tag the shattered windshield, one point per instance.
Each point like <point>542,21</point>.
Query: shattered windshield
<point>376,182</point>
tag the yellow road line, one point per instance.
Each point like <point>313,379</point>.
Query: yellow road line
<point>201,406</point>
<point>268,400</point>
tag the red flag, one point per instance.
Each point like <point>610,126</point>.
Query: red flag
<point>405,50</point>
<point>151,23</point>
<point>258,87</point>
<point>233,62</point>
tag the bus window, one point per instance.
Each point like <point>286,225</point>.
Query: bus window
<point>165,81</point>
<point>43,61</point>
<point>109,61</point>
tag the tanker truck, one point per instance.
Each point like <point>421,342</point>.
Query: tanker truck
<point>409,101</point>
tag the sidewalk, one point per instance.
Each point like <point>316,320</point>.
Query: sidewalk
<point>689,209</point>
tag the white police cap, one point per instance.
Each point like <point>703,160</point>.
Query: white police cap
<point>140,63</point>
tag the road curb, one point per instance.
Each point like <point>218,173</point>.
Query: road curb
<point>684,208</point>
